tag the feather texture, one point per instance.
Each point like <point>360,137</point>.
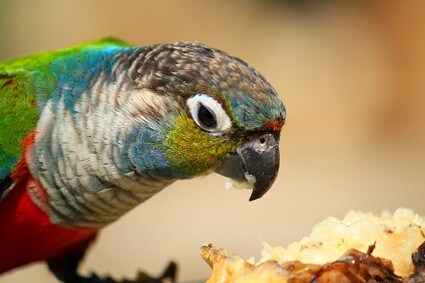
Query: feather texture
<point>26,84</point>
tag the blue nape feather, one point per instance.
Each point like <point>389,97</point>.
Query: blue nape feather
<point>76,74</point>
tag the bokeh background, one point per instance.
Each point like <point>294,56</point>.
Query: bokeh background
<point>351,74</point>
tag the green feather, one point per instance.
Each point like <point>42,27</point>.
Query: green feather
<point>192,151</point>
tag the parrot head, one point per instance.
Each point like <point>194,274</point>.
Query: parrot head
<point>221,115</point>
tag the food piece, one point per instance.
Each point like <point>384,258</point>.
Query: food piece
<point>233,184</point>
<point>359,248</point>
<point>397,236</point>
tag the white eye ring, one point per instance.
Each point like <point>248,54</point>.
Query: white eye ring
<point>213,118</point>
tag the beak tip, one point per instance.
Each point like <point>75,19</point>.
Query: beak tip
<point>254,196</point>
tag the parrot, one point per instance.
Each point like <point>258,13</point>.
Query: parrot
<point>91,131</point>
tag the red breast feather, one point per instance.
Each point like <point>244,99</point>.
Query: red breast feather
<point>26,232</point>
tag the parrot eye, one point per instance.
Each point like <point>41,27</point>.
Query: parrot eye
<point>206,118</point>
<point>208,114</point>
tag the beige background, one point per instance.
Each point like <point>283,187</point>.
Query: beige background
<point>352,77</point>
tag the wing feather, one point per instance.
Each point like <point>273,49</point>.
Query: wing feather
<point>22,81</point>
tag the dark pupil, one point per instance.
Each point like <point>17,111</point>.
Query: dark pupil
<point>206,117</point>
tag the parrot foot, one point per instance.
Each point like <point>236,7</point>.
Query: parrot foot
<point>71,276</point>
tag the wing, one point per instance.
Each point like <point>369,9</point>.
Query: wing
<point>25,85</point>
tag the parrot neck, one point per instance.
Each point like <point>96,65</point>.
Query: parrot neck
<point>95,157</point>
<point>82,191</point>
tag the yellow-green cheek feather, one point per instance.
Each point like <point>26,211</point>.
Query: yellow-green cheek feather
<point>192,151</point>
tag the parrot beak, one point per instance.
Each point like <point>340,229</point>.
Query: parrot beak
<point>255,162</point>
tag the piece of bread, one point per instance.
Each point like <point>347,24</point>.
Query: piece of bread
<point>359,248</point>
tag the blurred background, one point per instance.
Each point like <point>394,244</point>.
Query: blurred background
<point>351,73</point>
